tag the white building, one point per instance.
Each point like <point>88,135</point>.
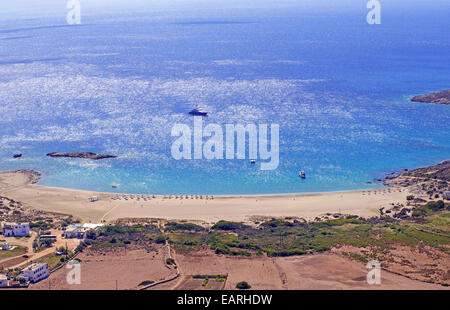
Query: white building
<point>92,225</point>
<point>16,229</point>
<point>3,280</point>
<point>5,246</point>
<point>75,231</point>
<point>35,272</point>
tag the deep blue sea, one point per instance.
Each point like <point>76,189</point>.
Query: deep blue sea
<point>116,84</point>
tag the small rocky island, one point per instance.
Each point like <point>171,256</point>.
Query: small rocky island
<point>440,97</point>
<point>87,155</point>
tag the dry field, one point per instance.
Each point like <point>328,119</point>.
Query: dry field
<point>103,270</point>
<point>319,271</point>
<point>106,269</point>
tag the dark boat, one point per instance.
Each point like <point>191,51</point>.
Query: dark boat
<point>198,112</point>
<point>17,155</point>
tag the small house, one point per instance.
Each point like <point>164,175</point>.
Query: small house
<point>5,246</point>
<point>75,231</point>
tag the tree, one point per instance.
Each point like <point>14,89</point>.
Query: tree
<point>243,285</point>
<point>91,235</point>
<point>47,242</point>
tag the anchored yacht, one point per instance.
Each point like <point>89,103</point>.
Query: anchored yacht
<point>198,112</point>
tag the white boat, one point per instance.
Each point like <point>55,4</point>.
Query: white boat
<point>302,174</point>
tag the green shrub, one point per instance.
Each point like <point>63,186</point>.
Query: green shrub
<point>283,253</point>
<point>172,226</point>
<point>276,223</point>
<point>170,261</point>
<point>430,207</point>
<point>226,225</point>
<point>146,282</point>
<point>160,239</point>
<point>243,285</point>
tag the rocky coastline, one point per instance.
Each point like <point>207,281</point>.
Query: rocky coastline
<point>428,183</point>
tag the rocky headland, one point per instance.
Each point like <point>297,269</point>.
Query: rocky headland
<point>425,183</point>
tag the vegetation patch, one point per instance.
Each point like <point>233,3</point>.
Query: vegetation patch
<point>146,282</point>
<point>173,226</point>
<point>16,251</point>
<point>121,235</point>
<point>243,285</point>
<point>227,225</point>
<point>429,226</point>
<point>430,208</point>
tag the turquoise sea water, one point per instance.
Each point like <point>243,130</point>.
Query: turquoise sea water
<point>116,84</point>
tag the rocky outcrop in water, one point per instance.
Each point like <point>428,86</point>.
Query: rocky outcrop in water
<point>440,97</point>
<point>87,155</point>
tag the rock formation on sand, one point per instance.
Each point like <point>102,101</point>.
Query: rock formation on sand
<point>87,155</point>
<point>440,97</point>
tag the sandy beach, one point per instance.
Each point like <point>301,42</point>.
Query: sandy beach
<point>18,186</point>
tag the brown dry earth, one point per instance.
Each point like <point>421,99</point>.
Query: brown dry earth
<point>320,271</point>
<point>421,263</point>
<point>101,270</point>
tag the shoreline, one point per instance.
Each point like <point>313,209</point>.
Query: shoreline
<point>380,184</point>
<point>36,175</point>
<point>216,196</point>
<point>377,184</point>
<point>397,190</point>
<point>243,208</point>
